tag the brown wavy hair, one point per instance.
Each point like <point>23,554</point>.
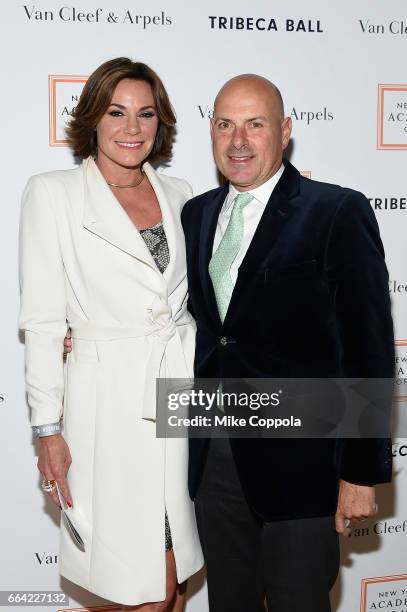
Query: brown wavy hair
<point>95,100</point>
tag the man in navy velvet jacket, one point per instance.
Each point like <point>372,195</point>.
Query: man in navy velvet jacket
<point>308,298</point>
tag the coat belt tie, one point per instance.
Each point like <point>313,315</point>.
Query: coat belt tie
<point>165,357</point>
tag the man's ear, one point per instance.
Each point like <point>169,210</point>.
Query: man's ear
<point>286,128</point>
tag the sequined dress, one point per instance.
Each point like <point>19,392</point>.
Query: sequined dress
<point>157,244</point>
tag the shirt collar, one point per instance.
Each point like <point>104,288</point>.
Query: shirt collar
<point>261,193</point>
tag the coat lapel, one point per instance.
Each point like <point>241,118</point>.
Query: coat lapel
<point>210,216</point>
<point>104,216</point>
<point>175,272</point>
<point>274,218</point>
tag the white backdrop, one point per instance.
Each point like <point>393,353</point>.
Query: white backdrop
<point>341,69</point>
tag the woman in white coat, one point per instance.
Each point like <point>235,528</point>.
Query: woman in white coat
<point>102,253</point>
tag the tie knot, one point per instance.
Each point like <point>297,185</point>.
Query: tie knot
<point>243,198</point>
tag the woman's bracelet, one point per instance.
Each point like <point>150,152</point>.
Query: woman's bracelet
<point>40,431</point>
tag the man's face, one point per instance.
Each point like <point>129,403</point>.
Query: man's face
<point>249,133</point>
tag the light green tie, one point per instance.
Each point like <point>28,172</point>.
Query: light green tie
<point>225,254</point>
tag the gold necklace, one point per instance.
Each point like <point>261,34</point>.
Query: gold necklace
<point>128,186</point>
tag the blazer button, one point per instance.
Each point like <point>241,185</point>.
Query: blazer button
<point>223,341</point>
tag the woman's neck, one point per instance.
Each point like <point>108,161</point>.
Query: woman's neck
<point>114,173</point>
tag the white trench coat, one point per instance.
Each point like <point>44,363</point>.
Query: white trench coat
<point>84,265</point>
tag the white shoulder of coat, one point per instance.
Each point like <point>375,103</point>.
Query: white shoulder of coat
<point>59,177</point>
<point>57,188</point>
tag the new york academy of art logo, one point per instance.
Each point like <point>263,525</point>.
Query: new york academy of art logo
<point>401,371</point>
<point>384,593</point>
<point>392,117</point>
<point>63,95</point>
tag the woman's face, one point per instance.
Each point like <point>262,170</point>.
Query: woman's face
<point>127,130</point>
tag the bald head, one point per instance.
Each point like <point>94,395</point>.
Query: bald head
<point>249,131</point>
<point>256,84</point>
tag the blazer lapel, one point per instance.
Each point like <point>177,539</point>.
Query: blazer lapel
<point>210,216</point>
<point>104,216</point>
<point>274,217</point>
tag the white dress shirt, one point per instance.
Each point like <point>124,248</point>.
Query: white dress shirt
<point>252,213</point>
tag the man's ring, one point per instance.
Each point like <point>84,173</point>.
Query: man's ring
<point>48,485</point>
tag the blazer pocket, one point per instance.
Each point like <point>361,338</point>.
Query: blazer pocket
<point>296,270</point>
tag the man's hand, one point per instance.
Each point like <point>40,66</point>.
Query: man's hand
<point>54,460</point>
<point>356,502</point>
<point>67,344</point>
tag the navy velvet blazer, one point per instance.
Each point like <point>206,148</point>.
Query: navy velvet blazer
<point>311,300</point>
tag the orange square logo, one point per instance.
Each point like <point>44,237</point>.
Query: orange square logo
<point>63,95</point>
<point>384,593</point>
<point>392,117</point>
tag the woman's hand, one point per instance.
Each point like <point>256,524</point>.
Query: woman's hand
<point>53,462</point>
<point>67,344</point>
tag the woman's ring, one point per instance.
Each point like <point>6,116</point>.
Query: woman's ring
<point>48,485</point>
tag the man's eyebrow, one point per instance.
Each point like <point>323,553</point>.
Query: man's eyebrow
<point>123,107</point>
<point>256,118</point>
<point>251,119</point>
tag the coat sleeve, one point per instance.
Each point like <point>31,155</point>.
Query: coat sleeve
<point>43,303</point>
<point>355,262</point>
